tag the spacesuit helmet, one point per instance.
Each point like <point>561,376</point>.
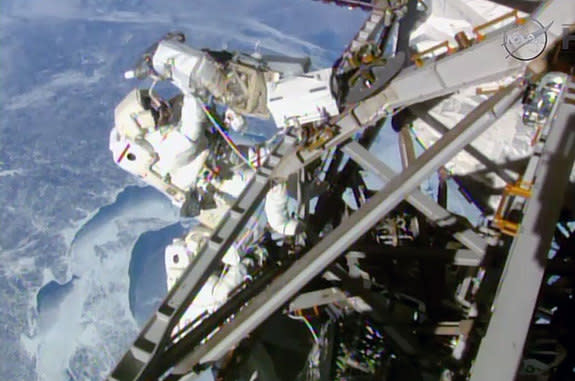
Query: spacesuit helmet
<point>161,109</point>
<point>132,116</point>
<point>141,112</point>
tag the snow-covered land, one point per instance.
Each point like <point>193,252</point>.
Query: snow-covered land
<point>64,273</point>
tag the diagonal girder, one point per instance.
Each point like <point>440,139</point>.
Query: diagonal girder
<point>501,349</point>
<point>446,75</point>
<point>337,241</point>
<point>508,176</point>
<point>435,213</point>
<point>140,361</point>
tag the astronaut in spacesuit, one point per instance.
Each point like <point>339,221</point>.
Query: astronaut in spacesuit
<point>256,85</point>
<point>204,74</point>
<point>165,144</point>
<point>168,145</point>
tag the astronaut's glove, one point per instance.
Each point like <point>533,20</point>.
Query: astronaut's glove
<point>235,121</point>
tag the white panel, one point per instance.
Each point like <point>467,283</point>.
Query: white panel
<point>303,97</point>
<point>486,62</point>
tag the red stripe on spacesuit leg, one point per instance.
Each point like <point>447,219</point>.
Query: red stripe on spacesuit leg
<point>124,152</point>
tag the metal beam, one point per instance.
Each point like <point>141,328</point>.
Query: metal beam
<point>502,347</point>
<point>422,113</point>
<point>442,187</point>
<point>446,75</point>
<point>459,257</point>
<point>327,296</point>
<point>466,67</point>
<point>452,328</point>
<point>406,149</point>
<point>429,208</point>
<point>462,69</point>
<point>142,358</point>
<point>335,243</point>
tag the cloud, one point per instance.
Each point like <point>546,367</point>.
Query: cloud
<point>216,19</point>
<point>43,94</point>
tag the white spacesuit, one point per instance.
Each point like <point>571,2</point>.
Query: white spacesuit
<point>166,157</point>
<point>172,157</point>
<point>250,85</point>
<point>166,144</point>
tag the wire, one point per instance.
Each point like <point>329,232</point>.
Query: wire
<point>226,137</point>
<point>222,275</point>
<point>308,324</point>
<point>396,111</point>
<point>151,91</point>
